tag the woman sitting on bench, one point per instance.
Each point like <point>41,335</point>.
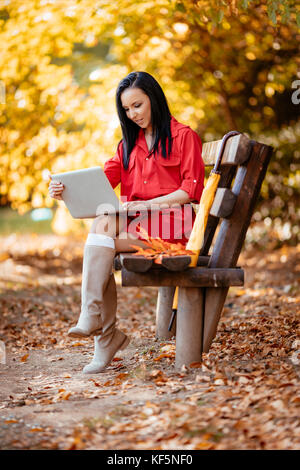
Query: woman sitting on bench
<point>159,165</point>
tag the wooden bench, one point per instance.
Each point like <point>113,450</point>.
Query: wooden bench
<point>203,289</point>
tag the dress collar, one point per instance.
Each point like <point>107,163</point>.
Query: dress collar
<point>141,140</point>
<point>175,126</point>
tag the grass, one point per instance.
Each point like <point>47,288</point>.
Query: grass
<point>12,222</point>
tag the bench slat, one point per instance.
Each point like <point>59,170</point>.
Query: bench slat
<point>176,263</point>
<point>138,264</point>
<point>168,263</point>
<point>223,203</point>
<point>228,173</point>
<point>191,277</point>
<point>237,151</point>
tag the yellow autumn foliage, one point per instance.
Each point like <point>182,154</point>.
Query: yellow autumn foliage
<point>223,66</point>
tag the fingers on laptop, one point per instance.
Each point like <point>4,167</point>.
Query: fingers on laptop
<point>55,189</point>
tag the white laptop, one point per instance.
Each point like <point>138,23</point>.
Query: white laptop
<point>88,193</point>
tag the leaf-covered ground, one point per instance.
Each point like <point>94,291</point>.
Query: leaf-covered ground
<point>245,395</point>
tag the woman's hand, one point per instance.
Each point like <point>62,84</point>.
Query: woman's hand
<point>172,200</point>
<point>56,189</point>
<point>136,205</point>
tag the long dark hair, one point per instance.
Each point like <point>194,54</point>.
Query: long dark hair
<point>160,115</point>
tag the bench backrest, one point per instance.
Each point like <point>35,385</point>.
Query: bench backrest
<point>243,169</point>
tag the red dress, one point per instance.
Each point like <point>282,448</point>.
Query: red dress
<point>150,176</point>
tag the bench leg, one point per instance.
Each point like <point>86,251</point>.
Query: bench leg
<point>189,325</point>
<point>164,313</point>
<point>215,299</point>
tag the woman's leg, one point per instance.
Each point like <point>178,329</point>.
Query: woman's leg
<point>99,295</point>
<point>99,252</point>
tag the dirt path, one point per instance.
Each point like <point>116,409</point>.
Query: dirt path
<point>245,395</point>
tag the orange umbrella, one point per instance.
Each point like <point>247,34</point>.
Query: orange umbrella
<point>197,234</point>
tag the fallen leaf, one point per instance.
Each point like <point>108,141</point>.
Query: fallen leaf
<point>204,446</point>
<point>295,400</point>
<point>36,430</point>
<point>66,396</point>
<point>4,256</point>
<point>163,355</point>
<point>122,375</point>
<point>196,365</point>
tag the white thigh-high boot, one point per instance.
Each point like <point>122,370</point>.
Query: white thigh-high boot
<point>99,252</point>
<point>111,338</point>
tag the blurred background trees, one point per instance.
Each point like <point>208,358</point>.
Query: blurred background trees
<point>223,65</point>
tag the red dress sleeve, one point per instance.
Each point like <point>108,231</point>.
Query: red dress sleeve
<point>112,167</point>
<point>192,166</point>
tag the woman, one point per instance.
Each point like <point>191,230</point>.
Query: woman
<point>159,165</point>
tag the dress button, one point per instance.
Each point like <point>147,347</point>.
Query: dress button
<point>195,181</point>
<point>145,182</point>
<point>147,158</point>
